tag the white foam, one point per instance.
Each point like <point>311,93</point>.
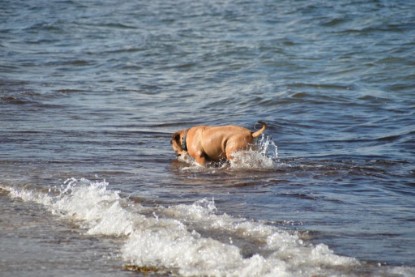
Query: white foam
<point>289,252</point>
<point>251,159</point>
<point>189,240</point>
<point>96,208</point>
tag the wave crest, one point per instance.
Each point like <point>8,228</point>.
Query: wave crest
<point>191,240</point>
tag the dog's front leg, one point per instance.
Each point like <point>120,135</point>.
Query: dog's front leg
<point>201,158</point>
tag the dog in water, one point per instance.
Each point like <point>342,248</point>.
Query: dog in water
<point>213,143</point>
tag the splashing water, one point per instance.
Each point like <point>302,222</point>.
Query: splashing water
<point>268,147</point>
<point>263,155</point>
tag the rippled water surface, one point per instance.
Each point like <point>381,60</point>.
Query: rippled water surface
<point>91,91</point>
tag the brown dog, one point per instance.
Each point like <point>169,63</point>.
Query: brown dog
<point>213,143</point>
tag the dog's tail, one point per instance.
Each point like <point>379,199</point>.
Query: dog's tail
<point>260,131</point>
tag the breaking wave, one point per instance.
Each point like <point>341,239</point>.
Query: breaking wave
<point>188,240</point>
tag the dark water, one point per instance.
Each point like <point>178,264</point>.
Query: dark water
<point>94,89</point>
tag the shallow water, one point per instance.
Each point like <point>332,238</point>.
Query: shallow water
<point>91,91</point>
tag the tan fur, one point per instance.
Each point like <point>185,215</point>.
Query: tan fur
<point>214,143</point>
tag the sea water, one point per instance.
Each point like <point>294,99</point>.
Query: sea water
<point>91,92</point>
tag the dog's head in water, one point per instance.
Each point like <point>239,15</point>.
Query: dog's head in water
<point>178,142</point>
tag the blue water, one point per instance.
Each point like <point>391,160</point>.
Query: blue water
<point>94,89</point>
